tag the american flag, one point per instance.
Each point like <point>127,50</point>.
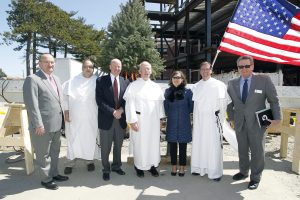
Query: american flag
<point>268,30</point>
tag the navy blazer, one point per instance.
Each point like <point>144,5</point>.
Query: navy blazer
<point>106,103</point>
<point>178,112</point>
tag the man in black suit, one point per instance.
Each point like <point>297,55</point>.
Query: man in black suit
<point>111,117</point>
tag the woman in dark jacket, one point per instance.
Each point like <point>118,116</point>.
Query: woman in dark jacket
<point>178,106</point>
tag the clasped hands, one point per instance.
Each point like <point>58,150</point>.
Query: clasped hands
<point>118,113</point>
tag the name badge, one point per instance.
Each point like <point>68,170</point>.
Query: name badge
<point>258,91</point>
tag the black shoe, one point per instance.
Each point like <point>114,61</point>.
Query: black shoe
<point>91,167</point>
<point>181,174</point>
<point>106,176</point>
<point>139,173</point>
<point>253,185</point>
<point>153,171</point>
<point>173,173</point>
<point>217,179</point>
<point>68,170</point>
<point>60,178</point>
<point>51,185</point>
<point>119,171</point>
<point>195,174</point>
<point>239,176</point>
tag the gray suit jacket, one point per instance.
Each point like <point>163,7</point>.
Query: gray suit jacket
<point>42,103</point>
<point>261,89</point>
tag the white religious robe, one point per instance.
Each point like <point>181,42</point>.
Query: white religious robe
<point>207,155</point>
<point>144,105</point>
<point>82,131</point>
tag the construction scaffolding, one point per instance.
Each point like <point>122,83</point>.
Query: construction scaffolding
<point>188,32</point>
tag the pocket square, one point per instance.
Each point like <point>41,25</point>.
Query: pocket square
<point>258,91</point>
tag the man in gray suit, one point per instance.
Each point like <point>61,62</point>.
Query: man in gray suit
<point>249,93</point>
<point>42,96</point>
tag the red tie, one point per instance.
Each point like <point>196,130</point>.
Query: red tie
<point>116,95</point>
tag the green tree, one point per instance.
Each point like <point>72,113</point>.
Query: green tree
<point>22,23</point>
<point>2,73</point>
<point>38,24</point>
<point>129,38</point>
<point>84,40</point>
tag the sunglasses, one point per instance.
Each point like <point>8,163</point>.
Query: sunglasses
<point>176,77</point>
<point>243,66</point>
<point>88,67</point>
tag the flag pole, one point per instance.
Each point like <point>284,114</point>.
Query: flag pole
<point>215,58</point>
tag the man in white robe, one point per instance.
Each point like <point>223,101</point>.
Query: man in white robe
<point>210,100</point>
<point>144,109</point>
<point>81,118</point>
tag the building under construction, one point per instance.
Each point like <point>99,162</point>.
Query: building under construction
<point>188,32</point>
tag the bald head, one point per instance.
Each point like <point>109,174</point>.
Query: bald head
<point>46,63</point>
<point>115,67</point>
<point>145,70</point>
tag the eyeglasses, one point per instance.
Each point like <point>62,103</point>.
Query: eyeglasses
<point>88,67</point>
<point>243,66</point>
<point>176,77</point>
<point>48,62</point>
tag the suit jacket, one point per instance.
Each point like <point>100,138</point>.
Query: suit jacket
<point>42,103</point>
<point>261,89</point>
<point>106,103</point>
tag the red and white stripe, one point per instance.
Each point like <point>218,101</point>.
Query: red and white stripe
<point>241,40</point>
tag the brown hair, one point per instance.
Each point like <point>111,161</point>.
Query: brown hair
<point>184,82</point>
<point>85,60</point>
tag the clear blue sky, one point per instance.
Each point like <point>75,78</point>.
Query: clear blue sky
<point>95,12</point>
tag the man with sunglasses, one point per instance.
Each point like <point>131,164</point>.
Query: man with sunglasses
<point>249,93</point>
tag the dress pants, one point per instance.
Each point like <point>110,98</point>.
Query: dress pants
<point>253,139</point>
<point>114,135</point>
<point>182,153</point>
<point>47,148</point>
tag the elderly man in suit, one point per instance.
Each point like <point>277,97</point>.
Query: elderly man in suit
<point>111,117</point>
<point>42,96</point>
<point>249,93</point>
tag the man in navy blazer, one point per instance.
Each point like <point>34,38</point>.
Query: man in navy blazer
<point>249,93</point>
<point>111,117</point>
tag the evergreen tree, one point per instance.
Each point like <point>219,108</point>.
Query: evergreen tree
<point>84,40</point>
<point>21,21</point>
<point>2,73</point>
<point>129,38</point>
<point>38,24</point>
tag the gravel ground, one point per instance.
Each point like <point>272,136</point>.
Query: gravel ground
<point>279,168</point>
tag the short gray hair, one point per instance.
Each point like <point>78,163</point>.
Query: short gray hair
<point>245,57</point>
<point>206,63</point>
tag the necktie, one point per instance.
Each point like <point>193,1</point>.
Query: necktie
<point>53,84</point>
<point>116,95</point>
<point>245,91</point>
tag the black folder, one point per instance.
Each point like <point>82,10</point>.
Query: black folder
<point>263,117</point>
